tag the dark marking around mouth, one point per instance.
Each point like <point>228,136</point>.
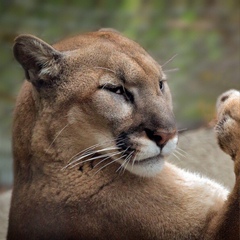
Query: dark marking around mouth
<point>123,142</point>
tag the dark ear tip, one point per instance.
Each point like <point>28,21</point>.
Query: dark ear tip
<point>21,42</point>
<point>17,49</point>
<point>23,38</point>
<point>109,30</point>
<point>35,55</point>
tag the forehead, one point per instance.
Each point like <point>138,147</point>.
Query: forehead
<point>112,50</point>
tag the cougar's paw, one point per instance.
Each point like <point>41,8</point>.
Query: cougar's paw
<point>228,124</point>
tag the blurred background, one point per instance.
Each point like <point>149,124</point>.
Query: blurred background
<point>204,36</point>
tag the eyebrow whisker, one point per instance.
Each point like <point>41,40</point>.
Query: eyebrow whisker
<point>169,60</point>
<point>172,70</point>
<point>108,69</point>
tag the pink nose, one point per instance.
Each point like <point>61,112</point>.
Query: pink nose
<point>162,136</point>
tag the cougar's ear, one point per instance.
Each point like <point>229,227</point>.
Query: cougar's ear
<point>39,60</point>
<point>109,30</point>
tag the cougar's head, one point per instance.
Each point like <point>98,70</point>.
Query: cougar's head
<point>98,97</point>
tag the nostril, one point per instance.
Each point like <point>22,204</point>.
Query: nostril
<point>150,134</point>
<point>161,136</point>
<point>159,139</point>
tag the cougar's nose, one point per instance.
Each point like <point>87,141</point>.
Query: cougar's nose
<point>161,136</point>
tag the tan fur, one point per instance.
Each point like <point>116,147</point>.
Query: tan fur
<point>67,106</point>
<point>226,224</point>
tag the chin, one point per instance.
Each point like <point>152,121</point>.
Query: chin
<point>147,168</point>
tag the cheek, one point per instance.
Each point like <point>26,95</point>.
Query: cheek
<point>168,96</point>
<point>85,129</point>
<point>112,107</point>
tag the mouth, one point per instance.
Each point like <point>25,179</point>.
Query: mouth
<point>148,167</point>
<point>132,156</point>
<point>142,156</point>
<point>151,160</point>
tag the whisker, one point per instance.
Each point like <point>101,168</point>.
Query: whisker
<point>109,164</point>
<point>81,153</point>
<point>125,161</point>
<point>126,149</point>
<point>105,156</point>
<point>87,154</point>
<point>91,147</point>
<point>116,153</point>
<point>179,149</point>
<point>171,70</point>
<point>121,165</point>
<point>169,60</point>
<point>57,136</point>
<point>182,130</point>
<point>92,153</point>
<point>75,163</point>
<point>88,160</point>
<point>107,149</point>
<point>180,154</point>
<point>128,159</point>
<point>134,159</point>
<point>124,164</point>
<point>176,156</point>
<point>80,158</point>
<point>106,69</point>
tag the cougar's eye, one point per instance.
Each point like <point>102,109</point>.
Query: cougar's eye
<point>115,89</point>
<point>120,90</point>
<point>161,85</point>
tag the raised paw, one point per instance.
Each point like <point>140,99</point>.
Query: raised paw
<point>228,125</point>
